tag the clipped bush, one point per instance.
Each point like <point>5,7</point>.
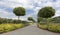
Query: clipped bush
<point>42,26</point>
<point>9,27</point>
<point>1,29</point>
<point>19,25</point>
<point>54,27</point>
<point>51,27</point>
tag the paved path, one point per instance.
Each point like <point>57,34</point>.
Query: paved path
<point>30,30</point>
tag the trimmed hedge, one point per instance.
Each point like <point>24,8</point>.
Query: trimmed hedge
<point>51,27</point>
<point>9,27</point>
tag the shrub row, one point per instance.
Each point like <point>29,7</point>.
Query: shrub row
<point>9,27</point>
<point>50,27</point>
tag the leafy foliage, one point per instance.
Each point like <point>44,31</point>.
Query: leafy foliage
<point>39,19</point>
<point>19,11</point>
<point>31,19</point>
<point>9,27</point>
<point>56,19</point>
<point>51,27</point>
<point>5,20</point>
<point>46,12</point>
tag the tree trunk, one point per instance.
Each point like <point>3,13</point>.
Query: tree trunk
<point>18,17</point>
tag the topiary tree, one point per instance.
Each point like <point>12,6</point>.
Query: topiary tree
<point>19,11</point>
<point>31,19</point>
<point>46,12</point>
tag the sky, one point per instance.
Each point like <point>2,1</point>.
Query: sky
<point>32,7</point>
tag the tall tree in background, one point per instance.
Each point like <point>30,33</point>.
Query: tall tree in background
<point>46,12</point>
<point>19,11</point>
<point>31,19</point>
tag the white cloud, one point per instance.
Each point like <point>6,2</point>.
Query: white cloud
<point>3,13</point>
<point>28,4</point>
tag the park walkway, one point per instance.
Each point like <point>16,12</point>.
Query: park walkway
<point>30,30</point>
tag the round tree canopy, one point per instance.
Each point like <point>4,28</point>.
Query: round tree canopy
<point>46,12</point>
<point>30,18</point>
<point>19,11</point>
